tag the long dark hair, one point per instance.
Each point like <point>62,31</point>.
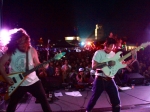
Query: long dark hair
<point>12,45</point>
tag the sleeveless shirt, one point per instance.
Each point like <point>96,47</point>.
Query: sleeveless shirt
<point>18,64</point>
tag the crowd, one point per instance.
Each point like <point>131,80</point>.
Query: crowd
<point>144,62</point>
<point>75,68</point>
<point>71,70</point>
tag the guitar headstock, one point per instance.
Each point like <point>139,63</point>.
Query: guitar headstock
<point>143,45</point>
<point>59,55</point>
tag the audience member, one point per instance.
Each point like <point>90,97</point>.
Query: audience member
<point>50,69</point>
<point>66,68</point>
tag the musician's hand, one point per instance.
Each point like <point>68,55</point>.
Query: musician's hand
<point>9,81</point>
<point>124,62</point>
<point>111,63</point>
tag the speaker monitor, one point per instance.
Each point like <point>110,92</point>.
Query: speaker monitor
<point>135,78</point>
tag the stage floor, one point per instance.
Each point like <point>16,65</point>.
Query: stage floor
<point>132,100</point>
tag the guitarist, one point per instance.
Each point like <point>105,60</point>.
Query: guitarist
<point>18,47</point>
<point>102,82</point>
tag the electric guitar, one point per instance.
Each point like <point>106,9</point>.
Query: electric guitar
<point>19,77</point>
<point>110,71</point>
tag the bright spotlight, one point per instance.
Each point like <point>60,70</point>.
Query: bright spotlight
<point>82,43</point>
<point>88,43</point>
<point>12,31</point>
<point>5,35</point>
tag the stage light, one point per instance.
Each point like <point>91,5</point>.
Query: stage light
<point>12,31</point>
<point>88,43</point>
<point>5,35</point>
<point>82,43</point>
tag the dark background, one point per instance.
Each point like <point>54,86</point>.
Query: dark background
<point>55,19</point>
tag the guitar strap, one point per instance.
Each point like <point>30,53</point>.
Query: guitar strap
<point>27,61</point>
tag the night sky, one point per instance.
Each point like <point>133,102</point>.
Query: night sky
<point>55,19</point>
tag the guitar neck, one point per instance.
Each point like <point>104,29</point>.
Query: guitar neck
<point>37,67</point>
<point>129,54</point>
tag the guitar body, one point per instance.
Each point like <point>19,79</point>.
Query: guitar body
<point>17,78</point>
<point>111,71</point>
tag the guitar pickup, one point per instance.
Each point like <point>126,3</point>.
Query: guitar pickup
<point>20,76</point>
<point>14,80</point>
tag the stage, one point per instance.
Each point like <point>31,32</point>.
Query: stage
<point>136,99</point>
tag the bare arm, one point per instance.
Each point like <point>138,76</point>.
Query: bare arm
<point>35,57</point>
<point>5,58</point>
<point>96,65</point>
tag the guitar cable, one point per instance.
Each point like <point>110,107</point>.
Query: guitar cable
<point>59,106</point>
<point>28,102</point>
<point>29,99</point>
<point>81,106</point>
<point>85,99</point>
<point>124,93</point>
<point>135,97</point>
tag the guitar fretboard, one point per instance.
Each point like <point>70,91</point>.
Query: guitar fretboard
<point>129,54</point>
<point>37,67</point>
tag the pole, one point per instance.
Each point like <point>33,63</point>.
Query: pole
<point>48,49</point>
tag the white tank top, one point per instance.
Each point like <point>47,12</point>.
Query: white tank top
<point>18,64</point>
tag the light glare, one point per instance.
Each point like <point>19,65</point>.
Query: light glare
<point>5,35</point>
